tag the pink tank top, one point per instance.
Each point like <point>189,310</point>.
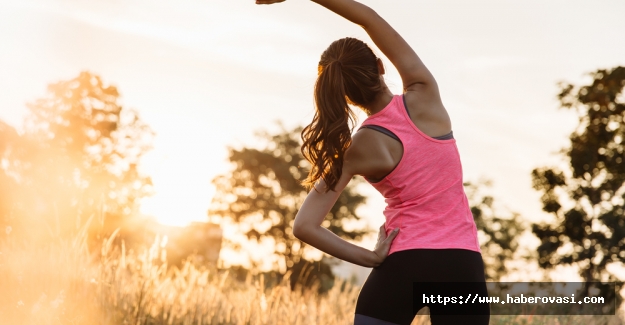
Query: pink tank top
<point>424,193</point>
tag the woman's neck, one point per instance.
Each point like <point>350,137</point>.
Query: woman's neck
<point>381,101</point>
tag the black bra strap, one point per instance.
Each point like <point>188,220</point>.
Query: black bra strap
<point>383,130</point>
<point>447,136</point>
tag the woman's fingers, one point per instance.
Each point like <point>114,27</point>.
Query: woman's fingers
<point>267,2</point>
<point>391,236</point>
<point>384,243</point>
<point>383,246</point>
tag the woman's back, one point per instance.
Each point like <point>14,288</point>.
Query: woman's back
<point>424,192</point>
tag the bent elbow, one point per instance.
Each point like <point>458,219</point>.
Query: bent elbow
<point>302,230</point>
<point>298,231</point>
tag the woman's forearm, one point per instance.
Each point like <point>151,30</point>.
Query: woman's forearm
<point>307,225</point>
<point>353,11</point>
<point>326,241</point>
<point>386,38</point>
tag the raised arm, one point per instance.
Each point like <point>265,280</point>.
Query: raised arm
<point>410,67</point>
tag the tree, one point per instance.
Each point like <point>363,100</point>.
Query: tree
<point>587,200</point>
<point>77,158</point>
<point>9,139</point>
<point>264,192</point>
<point>499,232</point>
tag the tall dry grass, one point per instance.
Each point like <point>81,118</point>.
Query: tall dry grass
<point>62,283</point>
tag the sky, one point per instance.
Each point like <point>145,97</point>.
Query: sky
<point>207,74</point>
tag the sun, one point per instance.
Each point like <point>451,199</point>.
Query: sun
<point>181,194</point>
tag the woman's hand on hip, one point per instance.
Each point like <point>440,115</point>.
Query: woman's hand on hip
<point>383,245</point>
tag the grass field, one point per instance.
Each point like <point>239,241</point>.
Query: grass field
<point>62,283</point>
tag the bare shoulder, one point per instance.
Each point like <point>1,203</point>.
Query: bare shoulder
<point>427,110</point>
<point>363,141</point>
<point>372,154</point>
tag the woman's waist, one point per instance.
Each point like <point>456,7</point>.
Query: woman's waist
<point>425,223</point>
<point>418,197</point>
<point>422,223</point>
<point>461,235</point>
<point>432,208</point>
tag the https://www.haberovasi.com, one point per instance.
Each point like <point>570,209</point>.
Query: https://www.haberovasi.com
<point>517,298</point>
<point>510,299</point>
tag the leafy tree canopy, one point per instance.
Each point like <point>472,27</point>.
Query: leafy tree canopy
<point>587,200</point>
<point>264,191</point>
<point>499,233</point>
<point>76,158</point>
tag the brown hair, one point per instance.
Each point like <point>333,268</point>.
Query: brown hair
<point>348,73</point>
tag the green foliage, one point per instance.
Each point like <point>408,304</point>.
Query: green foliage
<point>587,200</point>
<point>264,191</point>
<point>500,232</point>
<point>77,156</point>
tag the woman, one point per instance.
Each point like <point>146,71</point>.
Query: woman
<point>405,149</point>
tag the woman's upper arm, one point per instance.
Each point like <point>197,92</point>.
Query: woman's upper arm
<point>412,70</point>
<point>318,204</point>
<point>403,57</point>
<point>361,158</point>
<point>319,201</point>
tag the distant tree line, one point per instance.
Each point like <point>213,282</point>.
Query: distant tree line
<point>74,164</point>
<point>263,191</point>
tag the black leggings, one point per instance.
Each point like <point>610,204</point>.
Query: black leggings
<point>386,298</point>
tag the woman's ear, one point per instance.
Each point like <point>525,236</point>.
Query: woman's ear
<point>380,66</point>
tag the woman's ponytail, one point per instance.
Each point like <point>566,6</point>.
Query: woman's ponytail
<point>329,134</point>
<point>348,73</point>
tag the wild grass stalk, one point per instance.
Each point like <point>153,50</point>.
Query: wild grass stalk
<point>62,283</point>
